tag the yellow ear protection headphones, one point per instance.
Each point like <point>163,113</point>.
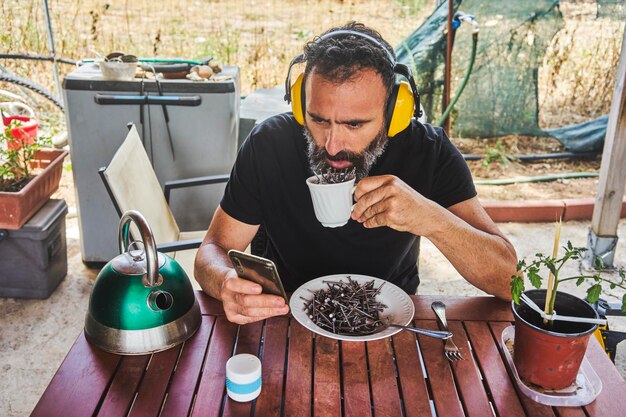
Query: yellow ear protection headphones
<point>403,103</point>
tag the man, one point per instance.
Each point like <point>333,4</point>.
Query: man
<point>413,184</point>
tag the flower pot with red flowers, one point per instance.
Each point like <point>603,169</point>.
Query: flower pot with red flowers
<point>29,174</point>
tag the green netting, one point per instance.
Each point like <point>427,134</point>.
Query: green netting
<point>425,53</point>
<point>501,95</point>
<point>613,9</point>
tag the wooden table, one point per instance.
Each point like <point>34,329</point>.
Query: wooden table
<point>305,375</point>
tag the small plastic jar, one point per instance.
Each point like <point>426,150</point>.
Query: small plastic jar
<point>243,377</point>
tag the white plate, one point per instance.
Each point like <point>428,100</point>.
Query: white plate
<point>582,392</point>
<point>399,309</point>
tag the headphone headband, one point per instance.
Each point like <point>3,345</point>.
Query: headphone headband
<point>376,42</point>
<point>409,100</point>
<point>302,58</point>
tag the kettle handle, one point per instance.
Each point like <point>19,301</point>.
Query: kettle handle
<point>147,238</point>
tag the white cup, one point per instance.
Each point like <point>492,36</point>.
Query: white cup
<point>243,377</point>
<point>332,203</point>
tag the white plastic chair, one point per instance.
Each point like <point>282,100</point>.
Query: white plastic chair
<point>132,184</point>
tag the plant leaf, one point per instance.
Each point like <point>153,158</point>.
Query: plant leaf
<point>517,287</point>
<point>549,262</point>
<point>593,293</point>
<point>533,277</point>
<point>580,281</point>
<point>624,303</point>
<point>598,264</point>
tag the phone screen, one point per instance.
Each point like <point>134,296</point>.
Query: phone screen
<point>259,270</point>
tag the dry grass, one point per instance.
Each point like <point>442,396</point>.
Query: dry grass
<point>259,36</point>
<point>576,80</point>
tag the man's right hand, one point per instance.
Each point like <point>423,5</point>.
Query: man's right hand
<point>244,303</point>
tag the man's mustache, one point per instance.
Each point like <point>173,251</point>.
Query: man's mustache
<point>340,156</point>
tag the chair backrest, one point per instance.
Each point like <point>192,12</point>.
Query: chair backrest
<point>133,185</point>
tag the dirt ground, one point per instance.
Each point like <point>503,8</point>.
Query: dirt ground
<point>504,166</point>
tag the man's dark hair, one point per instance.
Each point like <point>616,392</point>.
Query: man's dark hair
<point>338,58</point>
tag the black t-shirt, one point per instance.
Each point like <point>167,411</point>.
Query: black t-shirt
<point>267,186</point>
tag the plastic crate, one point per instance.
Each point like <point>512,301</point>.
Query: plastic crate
<point>33,259</point>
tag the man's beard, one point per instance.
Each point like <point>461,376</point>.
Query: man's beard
<point>361,162</point>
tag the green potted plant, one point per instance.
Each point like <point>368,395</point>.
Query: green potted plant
<point>552,328</point>
<point>29,174</point>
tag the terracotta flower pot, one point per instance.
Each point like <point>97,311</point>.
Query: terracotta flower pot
<point>549,355</point>
<point>16,208</point>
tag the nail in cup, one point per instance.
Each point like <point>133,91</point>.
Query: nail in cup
<point>332,203</point>
<point>243,377</point>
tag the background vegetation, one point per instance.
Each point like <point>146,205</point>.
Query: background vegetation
<point>261,37</point>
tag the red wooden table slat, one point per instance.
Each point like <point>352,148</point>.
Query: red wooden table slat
<point>531,407</point>
<point>79,383</point>
<point>120,394</point>
<point>503,393</point>
<point>185,379</point>
<point>610,401</point>
<point>439,374</point>
<point>209,306</point>
<point>569,412</point>
<point>213,380</point>
<point>356,387</point>
<point>299,371</point>
<point>326,384</point>
<point>383,379</point>
<point>153,387</point>
<point>248,341</point>
<point>467,376</point>
<point>274,350</point>
<point>249,338</point>
<point>412,382</point>
<point>464,308</point>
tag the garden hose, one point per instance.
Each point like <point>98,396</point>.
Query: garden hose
<point>551,177</point>
<point>33,87</point>
<point>161,61</point>
<point>537,157</point>
<point>468,71</point>
<point>38,58</point>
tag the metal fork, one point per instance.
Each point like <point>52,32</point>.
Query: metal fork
<point>424,332</point>
<point>450,349</point>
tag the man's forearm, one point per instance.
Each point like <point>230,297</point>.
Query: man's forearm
<point>485,259</point>
<point>210,269</point>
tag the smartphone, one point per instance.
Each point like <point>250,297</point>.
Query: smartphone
<point>260,270</point>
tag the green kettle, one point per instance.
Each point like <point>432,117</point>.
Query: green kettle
<point>142,300</point>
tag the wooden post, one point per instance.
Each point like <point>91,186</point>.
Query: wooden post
<point>608,206</point>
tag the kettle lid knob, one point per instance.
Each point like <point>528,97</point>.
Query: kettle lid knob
<point>134,262</point>
<point>137,261</point>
